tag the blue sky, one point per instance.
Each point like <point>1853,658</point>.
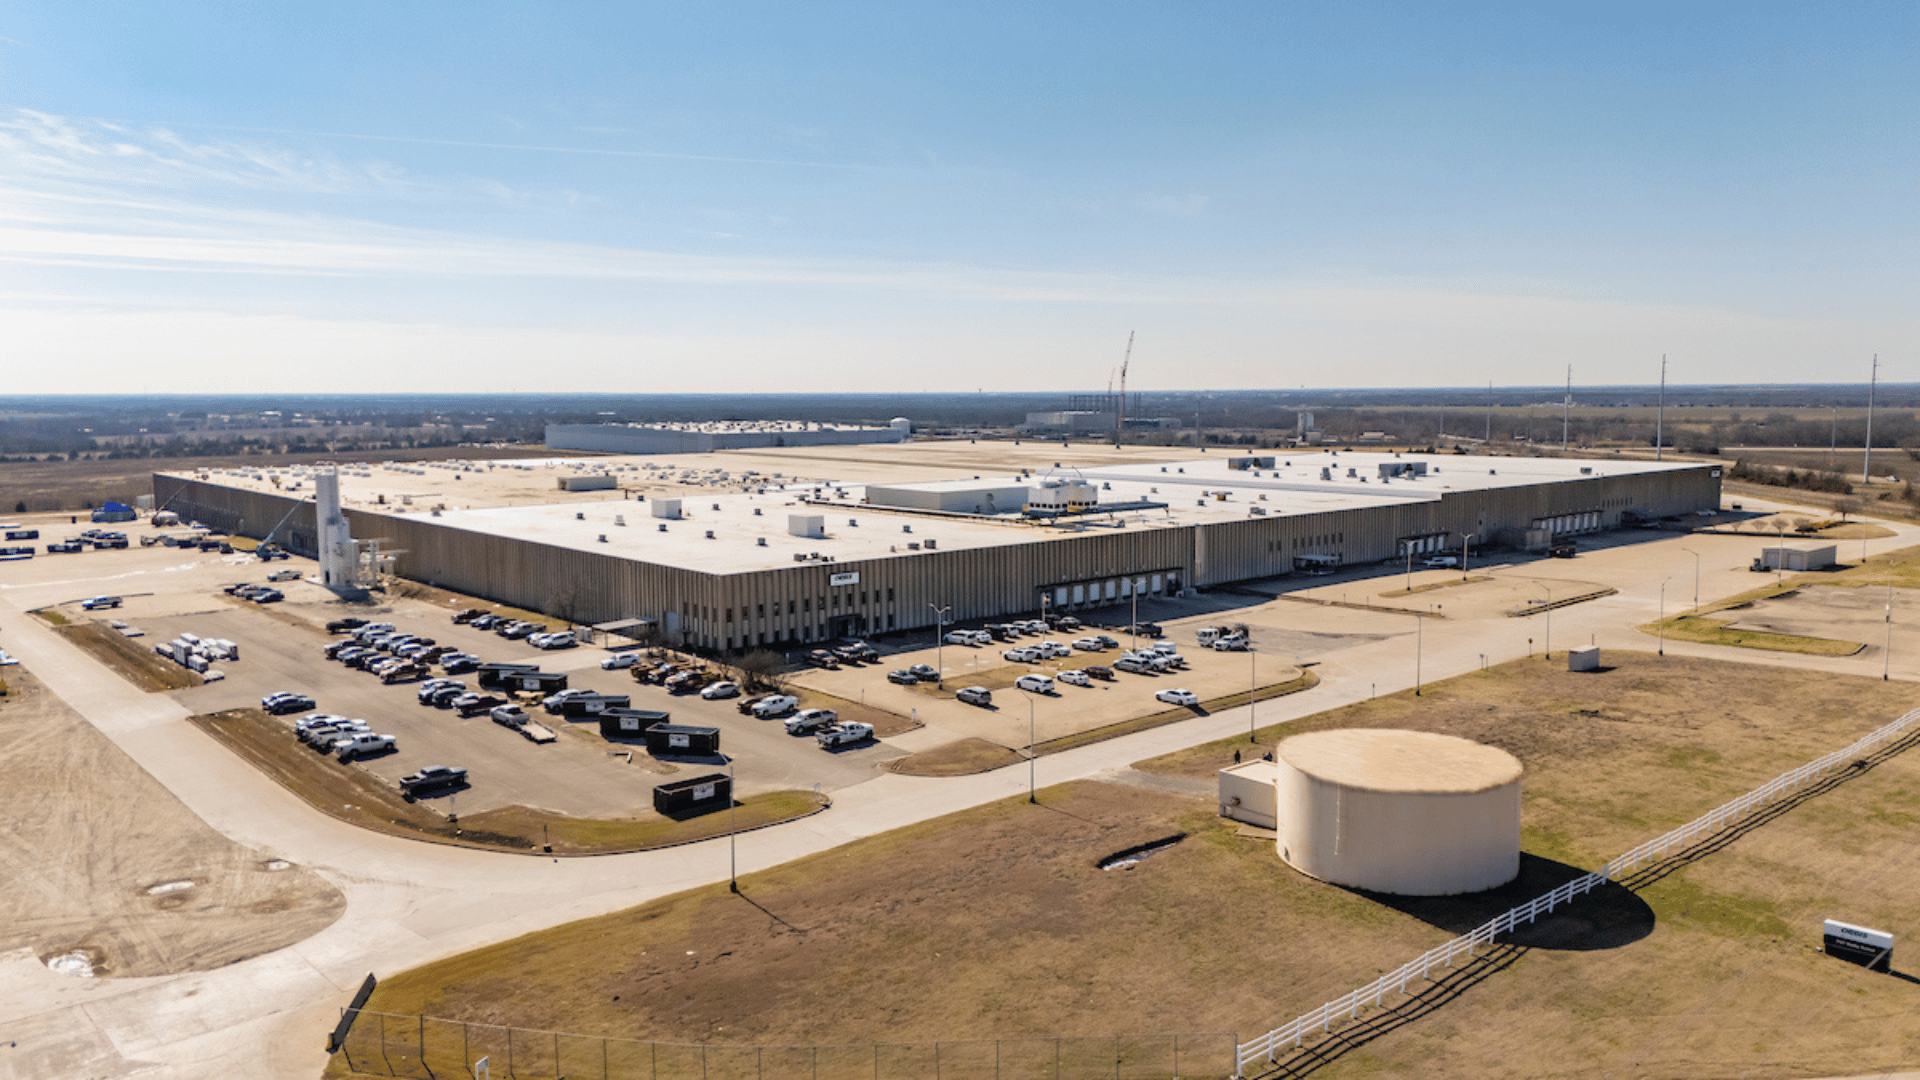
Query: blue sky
<point>698,197</point>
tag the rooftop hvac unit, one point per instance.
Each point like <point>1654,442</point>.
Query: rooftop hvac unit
<point>663,526</point>
<point>756,511</point>
<point>906,528</point>
<point>929,545</point>
<point>853,522</point>
<point>619,519</point>
<point>913,545</point>
<point>603,538</point>
<point>798,557</point>
<point>760,541</point>
<point>709,535</point>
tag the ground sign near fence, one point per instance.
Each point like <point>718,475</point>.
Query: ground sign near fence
<point>1266,1048</point>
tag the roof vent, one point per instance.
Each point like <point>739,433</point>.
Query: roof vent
<point>603,538</point>
<point>853,523</point>
<point>578,516</point>
<point>709,534</point>
<point>716,506</point>
<point>663,526</point>
<point>756,511</point>
<point>906,528</point>
<point>761,541</point>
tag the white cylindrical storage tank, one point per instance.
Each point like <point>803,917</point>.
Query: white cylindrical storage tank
<point>1403,812</point>
<point>902,425</point>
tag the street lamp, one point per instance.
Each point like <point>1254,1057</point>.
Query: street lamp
<point>1546,639</point>
<point>1466,552</point>
<point>1419,646</point>
<point>940,642</point>
<point>1696,576</point>
<point>733,849</point>
<point>1033,753</point>
<point>1409,569</point>
<point>1253,684</point>
<point>1661,626</point>
<point>1886,663</point>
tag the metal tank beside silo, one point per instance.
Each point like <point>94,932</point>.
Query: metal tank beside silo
<point>1404,812</point>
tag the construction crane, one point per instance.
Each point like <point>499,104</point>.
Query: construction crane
<point>1120,406</point>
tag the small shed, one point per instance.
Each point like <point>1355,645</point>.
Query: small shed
<point>1799,556</point>
<point>683,739</point>
<point>1587,659</point>
<point>711,791</point>
<point>630,723</point>
<point>1247,793</point>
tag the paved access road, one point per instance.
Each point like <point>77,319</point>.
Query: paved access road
<point>409,902</point>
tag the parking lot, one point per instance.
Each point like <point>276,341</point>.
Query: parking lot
<point>1015,717</point>
<point>167,591</point>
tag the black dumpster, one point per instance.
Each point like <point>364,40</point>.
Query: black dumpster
<point>593,704</point>
<point>495,676</point>
<point>545,682</point>
<point>630,723</point>
<point>682,739</point>
<point>711,791</point>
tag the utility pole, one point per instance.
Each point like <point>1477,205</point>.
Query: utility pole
<point>1866,467</point>
<point>1660,416</point>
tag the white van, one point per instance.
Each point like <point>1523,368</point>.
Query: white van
<point>1038,684</point>
<point>1209,634</point>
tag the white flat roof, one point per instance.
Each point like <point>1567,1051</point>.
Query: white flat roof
<point>744,506</point>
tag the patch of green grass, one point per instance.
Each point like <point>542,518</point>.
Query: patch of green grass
<point>1678,899</point>
<point>1720,632</point>
<point>53,616</point>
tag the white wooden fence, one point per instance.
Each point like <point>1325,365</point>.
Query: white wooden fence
<point>1347,1007</point>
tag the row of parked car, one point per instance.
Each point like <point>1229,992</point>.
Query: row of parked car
<point>348,739</point>
<point>536,634</point>
<point>259,594</point>
<point>853,652</point>
<point>393,655</point>
<point>327,733</point>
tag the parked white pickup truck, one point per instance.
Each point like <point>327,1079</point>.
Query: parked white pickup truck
<point>843,734</point>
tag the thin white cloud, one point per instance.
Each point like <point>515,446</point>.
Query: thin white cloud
<point>534,148</point>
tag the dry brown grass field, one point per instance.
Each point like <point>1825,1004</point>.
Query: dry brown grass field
<point>998,922</point>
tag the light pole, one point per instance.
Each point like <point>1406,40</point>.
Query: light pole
<point>1419,647</point>
<point>733,849</point>
<point>1253,684</point>
<point>1133,629</point>
<point>1033,753</point>
<point>1546,639</point>
<point>1409,569</point>
<point>1466,552</point>
<point>1696,576</point>
<point>940,642</point>
<point>1661,626</point>
<point>1886,663</point>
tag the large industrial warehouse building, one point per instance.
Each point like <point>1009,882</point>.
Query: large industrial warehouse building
<point>722,556</point>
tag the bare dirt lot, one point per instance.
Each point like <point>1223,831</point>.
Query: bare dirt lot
<point>1003,925</point>
<point>96,858</point>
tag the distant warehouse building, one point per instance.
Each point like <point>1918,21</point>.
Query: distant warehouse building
<point>705,438</point>
<point>774,565</point>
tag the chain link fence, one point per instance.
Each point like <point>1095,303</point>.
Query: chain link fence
<point>388,1044</point>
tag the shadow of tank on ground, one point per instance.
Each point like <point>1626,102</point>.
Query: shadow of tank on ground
<point>1606,918</point>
